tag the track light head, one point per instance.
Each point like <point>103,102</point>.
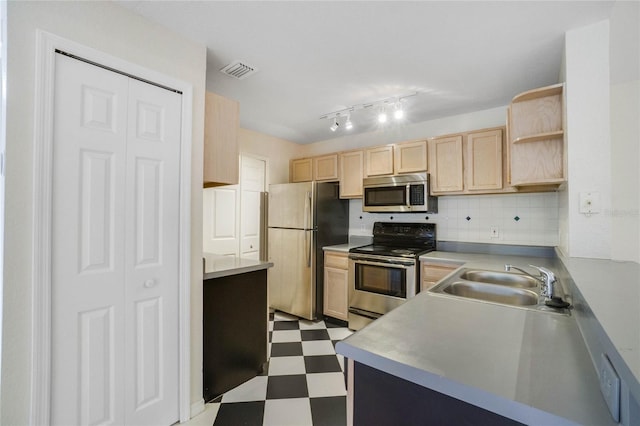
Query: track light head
<point>398,113</point>
<point>348,124</point>
<point>382,117</point>
<point>335,125</point>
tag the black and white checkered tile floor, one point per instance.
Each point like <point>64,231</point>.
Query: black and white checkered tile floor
<point>303,385</point>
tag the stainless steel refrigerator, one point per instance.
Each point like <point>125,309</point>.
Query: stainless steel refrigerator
<point>303,218</point>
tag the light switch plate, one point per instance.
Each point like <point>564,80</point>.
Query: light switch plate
<point>610,387</point>
<point>589,202</point>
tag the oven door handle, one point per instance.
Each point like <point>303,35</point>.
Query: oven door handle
<point>386,263</point>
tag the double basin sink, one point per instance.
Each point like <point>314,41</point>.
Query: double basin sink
<point>505,288</point>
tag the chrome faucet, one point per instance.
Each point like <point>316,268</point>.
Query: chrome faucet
<point>547,278</point>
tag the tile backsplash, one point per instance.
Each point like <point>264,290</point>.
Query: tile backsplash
<point>523,219</point>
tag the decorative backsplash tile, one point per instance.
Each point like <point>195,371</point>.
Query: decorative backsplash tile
<point>526,219</point>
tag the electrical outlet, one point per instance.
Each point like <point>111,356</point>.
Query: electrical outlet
<point>589,202</point>
<point>495,233</point>
<point>610,387</point>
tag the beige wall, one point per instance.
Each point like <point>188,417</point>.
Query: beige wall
<point>277,151</point>
<point>109,28</point>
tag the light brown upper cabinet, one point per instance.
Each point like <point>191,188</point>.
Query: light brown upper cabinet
<point>536,137</point>
<point>379,161</point>
<point>301,170</point>
<point>351,174</point>
<point>410,157</point>
<point>484,160</point>
<point>446,164</point>
<point>222,121</point>
<point>468,163</point>
<point>325,167</point>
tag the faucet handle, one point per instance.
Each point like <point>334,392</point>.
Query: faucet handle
<point>546,273</point>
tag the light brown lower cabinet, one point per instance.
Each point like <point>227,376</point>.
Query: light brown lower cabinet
<point>336,285</point>
<point>432,272</point>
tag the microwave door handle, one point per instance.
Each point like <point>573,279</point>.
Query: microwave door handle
<point>408,196</point>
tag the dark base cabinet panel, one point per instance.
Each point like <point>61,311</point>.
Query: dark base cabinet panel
<point>234,331</point>
<point>382,399</point>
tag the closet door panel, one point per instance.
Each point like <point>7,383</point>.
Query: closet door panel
<point>151,266</point>
<point>88,271</point>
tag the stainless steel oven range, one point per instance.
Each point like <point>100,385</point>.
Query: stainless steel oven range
<point>385,274</point>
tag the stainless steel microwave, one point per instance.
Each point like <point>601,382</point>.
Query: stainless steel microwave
<point>398,194</point>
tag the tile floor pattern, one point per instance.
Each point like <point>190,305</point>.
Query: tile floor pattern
<point>303,385</point>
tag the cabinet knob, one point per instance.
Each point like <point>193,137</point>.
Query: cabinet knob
<point>149,283</point>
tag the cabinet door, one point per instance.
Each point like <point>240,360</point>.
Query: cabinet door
<point>351,174</point>
<point>325,167</point>
<point>410,157</point>
<point>432,273</point>
<point>484,160</point>
<point>380,161</point>
<point>445,164</point>
<point>302,170</point>
<point>222,120</point>
<point>336,285</point>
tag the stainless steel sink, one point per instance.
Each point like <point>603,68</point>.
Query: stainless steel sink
<point>504,288</point>
<point>501,278</point>
<point>492,293</point>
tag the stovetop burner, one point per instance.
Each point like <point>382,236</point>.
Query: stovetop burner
<point>400,240</point>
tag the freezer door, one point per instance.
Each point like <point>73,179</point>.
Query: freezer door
<point>291,205</point>
<point>291,280</point>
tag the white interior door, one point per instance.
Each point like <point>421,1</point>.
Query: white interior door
<point>116,151</point>
<point>252,184</point>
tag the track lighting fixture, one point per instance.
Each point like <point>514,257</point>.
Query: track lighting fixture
<point>348,124</point>
<point>335,125</point>
<point>398,112</point>
<point>381,106</point>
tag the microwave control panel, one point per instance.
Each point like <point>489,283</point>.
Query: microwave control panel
<point>416,195</point>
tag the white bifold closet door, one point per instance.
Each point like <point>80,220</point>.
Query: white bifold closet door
<point>116,159</point>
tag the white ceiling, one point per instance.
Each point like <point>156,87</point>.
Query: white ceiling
<point>316,57</point>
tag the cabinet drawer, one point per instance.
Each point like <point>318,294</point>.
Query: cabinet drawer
<point>336,260</point>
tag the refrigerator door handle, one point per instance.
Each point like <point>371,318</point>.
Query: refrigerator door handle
<point>307,210</point>
<point>307,244</point>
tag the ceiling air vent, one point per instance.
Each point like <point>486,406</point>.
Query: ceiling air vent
<point>238,70</point>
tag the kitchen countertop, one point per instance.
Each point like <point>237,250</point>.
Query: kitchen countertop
<point>530,366</point>
<point>216,266</point>
<point>342,248</point>
<point>354,241</point>
<point>612,291</point>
